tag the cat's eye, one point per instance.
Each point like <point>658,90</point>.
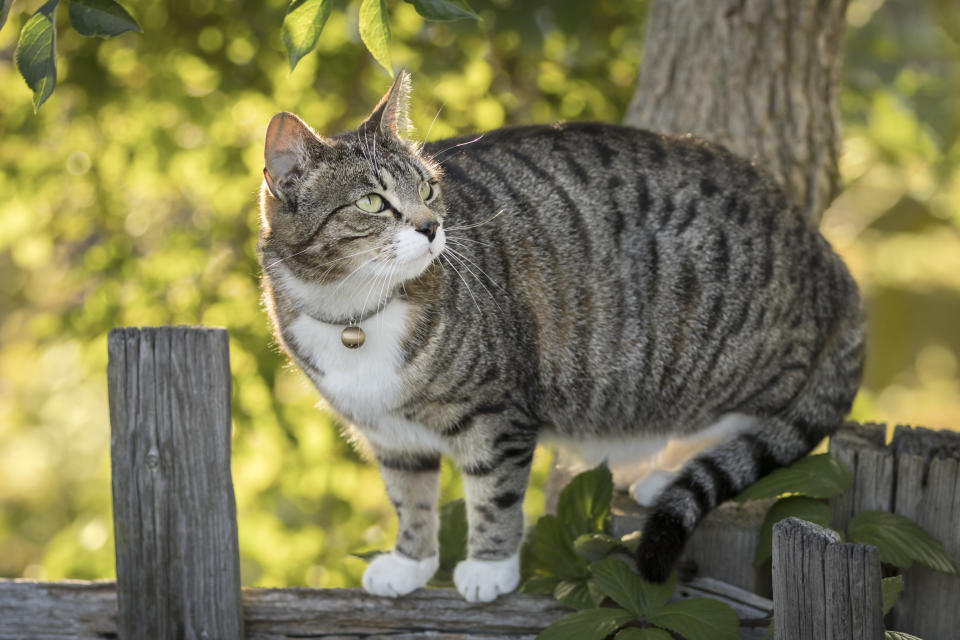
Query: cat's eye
<point>426,191</point>
<point>371,203</point>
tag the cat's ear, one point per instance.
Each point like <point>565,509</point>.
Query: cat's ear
<point>290,147</point>
<point>390,114</point>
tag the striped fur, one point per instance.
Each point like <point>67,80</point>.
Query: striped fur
<point>593,282</point>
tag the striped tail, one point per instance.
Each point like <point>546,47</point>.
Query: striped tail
<point>727,469</point>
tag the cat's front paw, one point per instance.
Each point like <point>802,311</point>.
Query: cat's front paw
<point>484,580</point>
<point>394,575</point>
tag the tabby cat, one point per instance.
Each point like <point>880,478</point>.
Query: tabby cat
<point>601,286</point>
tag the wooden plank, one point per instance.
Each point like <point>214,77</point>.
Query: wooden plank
<point>928,491</point>
<point>863,450</point>
<point>178,567</point>
<point>823,588</point>
<point>88,610</point>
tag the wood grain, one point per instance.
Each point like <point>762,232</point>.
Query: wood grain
<point>174,512</point>
<point>822,587</point>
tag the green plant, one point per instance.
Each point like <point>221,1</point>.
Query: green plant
<point>573,557</point>
<point>36,53</point>
<point>305,19</point>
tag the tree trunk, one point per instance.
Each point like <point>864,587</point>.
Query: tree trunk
<point>757,76</point>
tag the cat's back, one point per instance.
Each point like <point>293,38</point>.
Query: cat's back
<point>646,262</point>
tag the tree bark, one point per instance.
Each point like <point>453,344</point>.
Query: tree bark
<point>757,76</point>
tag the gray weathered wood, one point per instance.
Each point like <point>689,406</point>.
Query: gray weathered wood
<point>823,588</point>
<point>732,527</point>
<point>928,491</point>
<point>758,76</point>
<point>174,512</point>
<point>88,610</point>
<point>863,450</point>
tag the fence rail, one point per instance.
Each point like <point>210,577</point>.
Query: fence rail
<point>178,561</point>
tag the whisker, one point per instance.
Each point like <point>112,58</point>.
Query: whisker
<point>462,279</point>
<point>463,256</point>
<point>475,277</point>
<point>427,137</point>
<point>476,224</point>
<point>461,144</point>
<point>462,239</point>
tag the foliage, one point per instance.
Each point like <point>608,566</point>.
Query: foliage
<point>573,557</point>
<point>817,476</point>
<point>129,199</point>
<point>901,541</point>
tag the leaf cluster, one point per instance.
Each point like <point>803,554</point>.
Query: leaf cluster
<point>36,52</point>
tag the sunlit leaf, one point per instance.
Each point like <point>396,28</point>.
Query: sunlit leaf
<point>101,18</point>
<point>898,635</point>
<point>578,594</point>
<point>900,540</point>
<point>584,504</point>
<point>819,476</point>
<point>891,587</point>
<point>699,619</point>
<point>591,624</point>
<point>631,540</point>
<point>375,32</point>
<point>628,589</point>
<point>802,507</point>
<point>636,633</point>
<point>540,585</point>
<point>302,25</point>
<point>441,10</point>
<point>596,546</point>
<point>4,10</point>
<point>36,54</point>
<point>552,552</point>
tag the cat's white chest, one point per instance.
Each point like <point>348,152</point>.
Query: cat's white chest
<point>364,383</point>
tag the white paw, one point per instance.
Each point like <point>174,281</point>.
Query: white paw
<point>393,575</point>
<point>484,580</point>
<point>646,490</point>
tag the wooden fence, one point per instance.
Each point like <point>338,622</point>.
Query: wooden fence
<point>178,564</point>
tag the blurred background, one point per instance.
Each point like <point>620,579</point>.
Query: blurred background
<point>130,200</point>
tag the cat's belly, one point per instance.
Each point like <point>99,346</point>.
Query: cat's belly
<point>364,384</point>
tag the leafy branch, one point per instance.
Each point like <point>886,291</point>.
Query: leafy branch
<point>305,19</point>
<point>36,52</point>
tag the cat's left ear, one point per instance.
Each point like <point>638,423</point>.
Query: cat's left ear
<point>390,114</point>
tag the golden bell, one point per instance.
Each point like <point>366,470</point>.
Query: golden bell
<point>353,337</point>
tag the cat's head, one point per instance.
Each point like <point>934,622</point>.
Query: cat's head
<point>360,208</point>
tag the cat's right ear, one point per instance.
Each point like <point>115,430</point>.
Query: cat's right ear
<point>288,150</point>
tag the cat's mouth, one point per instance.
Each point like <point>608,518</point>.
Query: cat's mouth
<point>414,251</point>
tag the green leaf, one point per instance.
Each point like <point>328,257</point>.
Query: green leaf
<point>441,10</point>
<point>36,54</point>
<point>591,624</point>
<point>898,635</point>
<point>630,591</point>
<point>901,541</point>
<point>892,587</point>
<point>552,552</point>
<point>369,555</point>
<point>584,504</point>
<point>4,10</point>
<point>540,585</point>
<point>801,507</point>
<point>578,594</point>
<point>101,18</point>
<point>595,546</point>
<point>699,619</point>
<point>631,541</point>
<point>375,32</point>
<point>636,633</point>
<point>819,476</point>
<point>302,25</point>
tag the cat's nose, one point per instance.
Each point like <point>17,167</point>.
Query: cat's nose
<point>428,229</point>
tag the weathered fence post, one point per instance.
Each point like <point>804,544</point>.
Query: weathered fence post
<point>918,476</point>
<point>178,567</point>
<point>823,588</point>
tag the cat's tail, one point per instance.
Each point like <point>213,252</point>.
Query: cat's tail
<point>727,469</point>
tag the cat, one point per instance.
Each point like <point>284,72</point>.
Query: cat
<point>600,285</point>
